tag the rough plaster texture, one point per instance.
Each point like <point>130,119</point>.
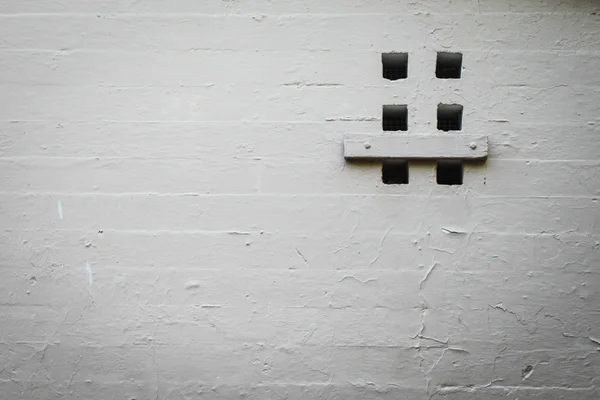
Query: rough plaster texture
<point>178,222</point>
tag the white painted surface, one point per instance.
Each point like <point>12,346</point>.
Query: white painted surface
<point>416,146</point>
<point>178,221</point>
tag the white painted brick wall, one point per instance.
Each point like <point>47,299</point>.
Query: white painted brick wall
<point>178,222</point>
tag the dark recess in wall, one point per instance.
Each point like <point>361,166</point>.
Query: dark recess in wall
<point>395,66</point>
<point>394,172</point>
<point>395,118</point>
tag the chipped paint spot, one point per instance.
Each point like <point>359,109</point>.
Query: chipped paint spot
<point>60,210</point>
<point>450,231</point>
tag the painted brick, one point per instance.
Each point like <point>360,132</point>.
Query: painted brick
<point>177,220</point>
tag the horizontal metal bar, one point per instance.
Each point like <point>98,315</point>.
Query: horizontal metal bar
<point>416,146</point>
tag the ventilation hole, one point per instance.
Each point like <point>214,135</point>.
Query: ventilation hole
<point>449,172</point>
<point>395,118</point>
<point>449,117</point>
<point>394,172</point>
<point>448,65</point>
<point>395,65</point>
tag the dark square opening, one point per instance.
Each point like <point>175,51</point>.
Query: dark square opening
<point>448,65</point>
<point>395,118</point>
<point>449,117</point>
<point>449,172</point>
<point>394,172</point>
<point>395,65</point>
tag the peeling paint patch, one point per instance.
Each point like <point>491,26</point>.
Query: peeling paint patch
<point>192,285</point>
<point>427,275</point>
<point>60,210</point>
<point>597,341</point>
<point>88,269</point>
<point>453,231</point>
<point>311,331</point>
<point>526,372</point>
<point>358,280</point>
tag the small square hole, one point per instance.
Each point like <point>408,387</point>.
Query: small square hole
<point>448,65</point>
<point>449,172</point>
<point>394,172</point>
<point>395,118</point>
<point>449,117</point>
<point>395,65</point>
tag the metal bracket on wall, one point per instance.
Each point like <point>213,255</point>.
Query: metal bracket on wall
<point>415,147</point>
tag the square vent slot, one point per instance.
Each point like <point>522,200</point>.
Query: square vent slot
<point>448,65</point>
<point>449,117</point>
<point>394,172</point>
<point>395,65</point>
<point>395,118</point>
<point>449,172</point>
